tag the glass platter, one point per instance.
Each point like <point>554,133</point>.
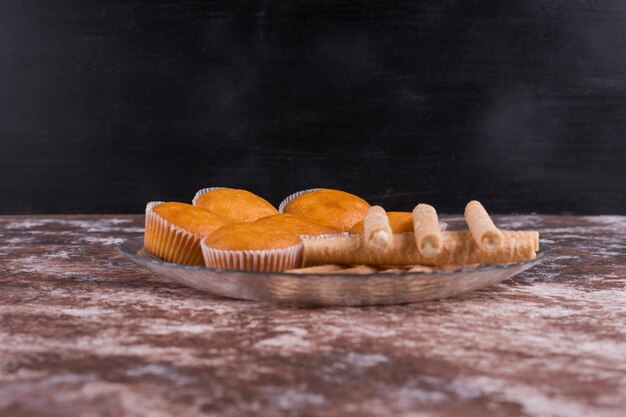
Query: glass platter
<point>328,289</point>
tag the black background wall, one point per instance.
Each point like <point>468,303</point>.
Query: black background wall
<point>106,105</point>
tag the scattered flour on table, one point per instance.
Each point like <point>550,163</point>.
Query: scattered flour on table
<point>365,361</point>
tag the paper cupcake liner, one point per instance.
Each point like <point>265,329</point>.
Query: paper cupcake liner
<point>291,197</point>
<point>271,260</point>
<point>170,242</point>
<point>204,191</point>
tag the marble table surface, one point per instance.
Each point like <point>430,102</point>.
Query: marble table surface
<point>85,332</point>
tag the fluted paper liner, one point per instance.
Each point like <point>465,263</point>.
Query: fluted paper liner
<point>271,260</point>
<point>170,242</point>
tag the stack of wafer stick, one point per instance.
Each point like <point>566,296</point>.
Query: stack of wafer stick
<point>428,248</point>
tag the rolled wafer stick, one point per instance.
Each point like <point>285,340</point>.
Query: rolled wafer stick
<point>392,270</point>
<point>457,248</point>
<point>378,233</point>
<point>357,269</point>
<point>427,230</point>
<point>419,268</point>
<point>454,267</point>
<point>321,269</point>
<point>482,228</point>
<point>335,269</point>
<point>385,267</point>
<point>367,269</point>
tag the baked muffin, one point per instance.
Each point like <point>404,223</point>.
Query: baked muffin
<point>299,225</point>
<point>234,205</point>
<point>269,244</point>
<point>331,207</point>
<point>400,222</point>
<point>174,231</point>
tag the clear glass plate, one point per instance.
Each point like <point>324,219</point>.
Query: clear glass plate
<point>329,289</point>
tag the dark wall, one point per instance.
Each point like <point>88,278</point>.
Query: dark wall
<point>106,105</point>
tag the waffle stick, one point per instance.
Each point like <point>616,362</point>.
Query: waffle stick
<point>368,269</point>
<point>427,230</point>
<point>318,269</point>
<point>458,248</point>
<point>378,233</point>
<point>482,228</point>
<point>331,269</point>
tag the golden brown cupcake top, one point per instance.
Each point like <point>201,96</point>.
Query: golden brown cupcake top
<point>196,220</point>
<point>274,232</point>
<point>298,224</point>
<point>332,207</point>
<point>234,205</point>
<point>400,222</point>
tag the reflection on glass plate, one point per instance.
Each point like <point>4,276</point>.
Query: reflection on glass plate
<point>328,289</point>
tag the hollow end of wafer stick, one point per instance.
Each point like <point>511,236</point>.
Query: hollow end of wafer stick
<point>380,239</point>
<point>429,245</point>
<point>491,241</point>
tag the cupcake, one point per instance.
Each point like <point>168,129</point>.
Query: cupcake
<point>236,206</point>
<point>298,225</point>
<point>400,222</point>
<point>331,207</point>
<point>269,244</point>
<point>174,231</point>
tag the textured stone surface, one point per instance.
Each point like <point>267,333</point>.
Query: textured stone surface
<point>85,332</point>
